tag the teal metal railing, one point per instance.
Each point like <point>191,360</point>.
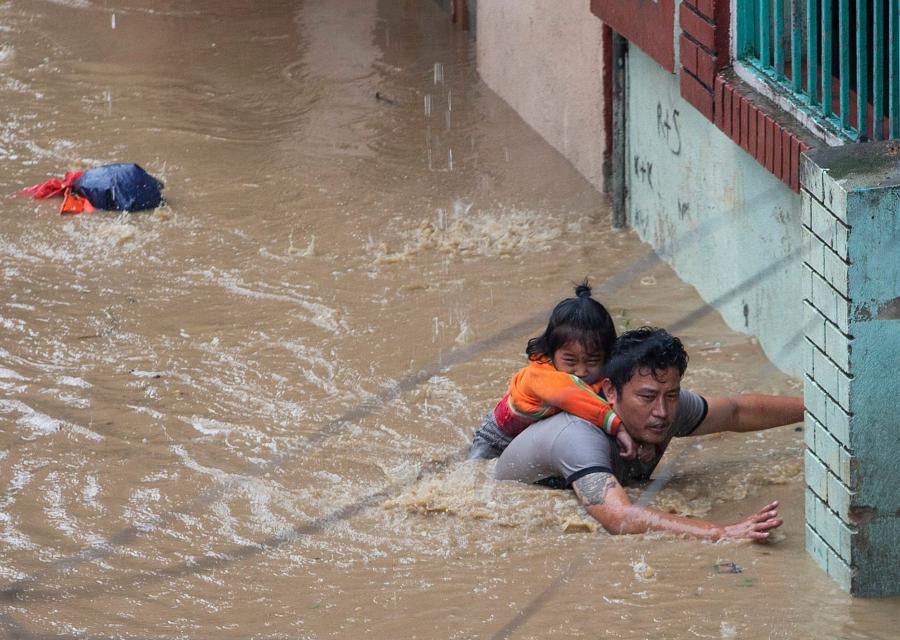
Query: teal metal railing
<point>839,59</point>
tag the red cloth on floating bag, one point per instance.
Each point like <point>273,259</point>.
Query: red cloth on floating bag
<point>52,187</point>
<point>72,202</point>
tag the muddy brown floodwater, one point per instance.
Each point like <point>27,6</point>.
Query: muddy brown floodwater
<point>245,414</point>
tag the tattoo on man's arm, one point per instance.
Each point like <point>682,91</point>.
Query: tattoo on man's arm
<point>594,487</point>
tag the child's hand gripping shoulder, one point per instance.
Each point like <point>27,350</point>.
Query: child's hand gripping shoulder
<point>627,448</point>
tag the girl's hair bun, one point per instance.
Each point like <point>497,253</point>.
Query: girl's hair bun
<point>580,319</point>
<point>583,290</point>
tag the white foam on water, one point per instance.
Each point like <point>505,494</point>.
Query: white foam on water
<point>74,4</point>
<point>14,538</point>
<point>85,432</point>
<point>108,237</point>
<point>262,500</point>
<point>318,370</point>
<point>468,493</point>
<point>228,524</point>
<point>318,314</point>
<point>140,510</point>
<point>35,421</point>
<point>12,324</point>
<point>9,374</point>
<point>8,572</point>
<point>89,493</point>
<point>263,496</point>
<point>69,381</point>
<point>147,411</point>
<point>20,479</point>
<point>70,400</point>
<point>441,401</point>
<point>55,509</point>
<point>14,85</point>
<point>483,233</point>
<point>210,427</point>
<point>138,373</point>
<point>291,252</point>
<point>14,253</point>
<point>643,572</point>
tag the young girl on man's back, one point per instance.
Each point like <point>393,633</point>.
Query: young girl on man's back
<point>563,374</point>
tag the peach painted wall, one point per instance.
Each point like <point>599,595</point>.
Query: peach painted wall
<point>544,58</point>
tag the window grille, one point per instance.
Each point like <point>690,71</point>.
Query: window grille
<point>838,59</point>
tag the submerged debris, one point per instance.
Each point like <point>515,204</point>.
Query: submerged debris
<point>727,567</point>
<point>577,525</point>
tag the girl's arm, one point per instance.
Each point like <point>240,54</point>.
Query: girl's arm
<point>539,386</point>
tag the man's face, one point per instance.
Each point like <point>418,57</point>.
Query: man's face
<point>647,404</point>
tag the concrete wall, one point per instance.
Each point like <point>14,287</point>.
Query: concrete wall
<point>851,277</point>
<point>725,224</point>
<point>543,57</point>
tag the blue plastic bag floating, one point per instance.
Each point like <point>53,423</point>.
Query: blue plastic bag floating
<point>120,187</point>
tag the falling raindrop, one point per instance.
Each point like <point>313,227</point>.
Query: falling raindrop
<point>427,105</point>
<point>450,159</point>
<point>438,73</point>
<point>113,20</point>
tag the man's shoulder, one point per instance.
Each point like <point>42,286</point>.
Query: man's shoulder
<point>692,410</point>
<point>559,446</point>
<point>571,424</point>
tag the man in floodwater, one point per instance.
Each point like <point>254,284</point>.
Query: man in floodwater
<point>643,385</point>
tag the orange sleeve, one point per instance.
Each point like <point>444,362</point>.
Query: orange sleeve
<point>536,390</point>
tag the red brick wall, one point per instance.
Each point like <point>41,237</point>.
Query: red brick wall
<point>774,145</point>
<point>703,48</point>
<point>648,24</point>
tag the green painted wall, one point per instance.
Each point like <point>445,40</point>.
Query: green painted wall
<point>724,223</point>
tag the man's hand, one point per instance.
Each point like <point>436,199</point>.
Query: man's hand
<point>606,501</point>
<point>756,526</point>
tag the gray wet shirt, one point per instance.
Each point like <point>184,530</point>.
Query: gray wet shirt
<point>565,447</point>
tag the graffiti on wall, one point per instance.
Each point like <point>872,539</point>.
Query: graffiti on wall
<point>667,127</point>
<point>643,170</point>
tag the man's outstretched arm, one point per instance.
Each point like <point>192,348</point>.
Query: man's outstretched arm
<point>606,501</point>
<point>749,413</point>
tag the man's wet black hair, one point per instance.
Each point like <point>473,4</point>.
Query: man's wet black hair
<point>580,319</point>
<point>645,349</point>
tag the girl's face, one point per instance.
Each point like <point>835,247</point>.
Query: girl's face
<point>573,358</point>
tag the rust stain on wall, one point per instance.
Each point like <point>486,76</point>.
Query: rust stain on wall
<point>890,310</point>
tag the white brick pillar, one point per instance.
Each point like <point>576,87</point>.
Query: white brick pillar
<point>851,289</point>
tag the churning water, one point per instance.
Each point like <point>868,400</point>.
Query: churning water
<point>245,414</point>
